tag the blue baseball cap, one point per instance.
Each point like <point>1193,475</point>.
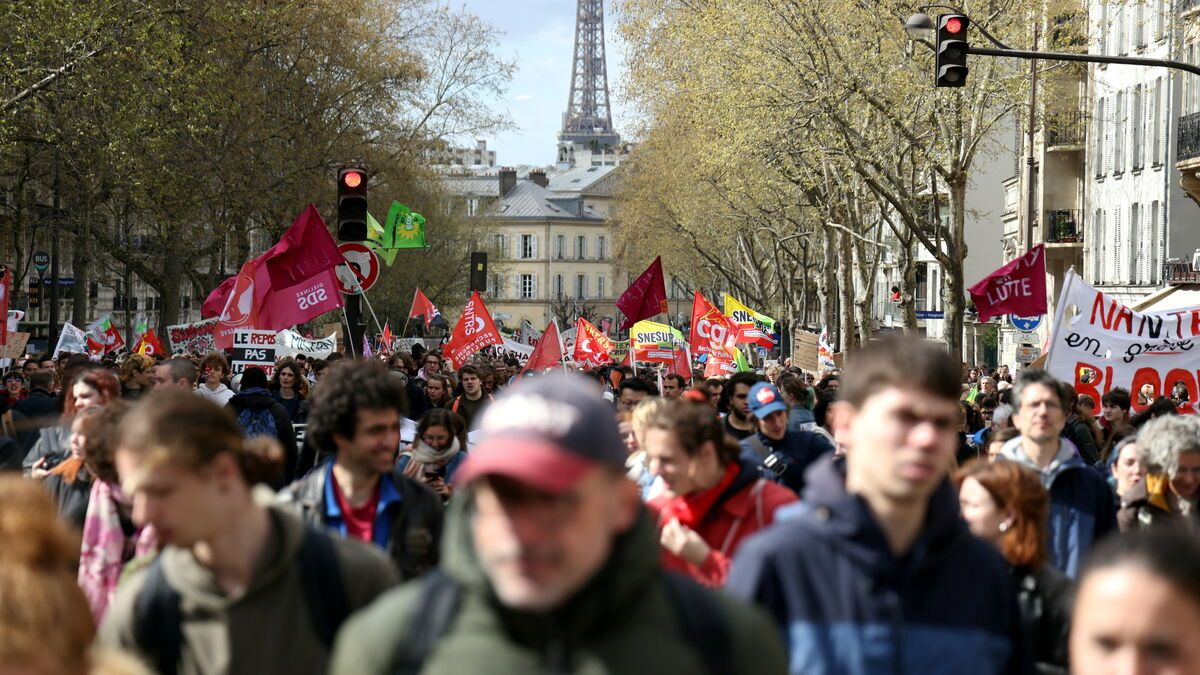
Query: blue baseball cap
<point>765,399</point>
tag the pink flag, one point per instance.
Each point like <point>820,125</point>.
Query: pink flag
<point>646,296</point>
<point>292,282</point>
<point>1017,288</point>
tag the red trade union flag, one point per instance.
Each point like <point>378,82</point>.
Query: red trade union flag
<point>149,344</point>
<point>422,307</point>
<point>1017,288</point>
<point>681,364</point>
<point>474,331</point>
<point>214,304</point>
<point>646,296</point>
<point>591,346</point>
<point>719,366</point>
<point>6,282</point>
<point>548,351</point>
<point>386,337</point>
<point>305,250</point>
<point>712,331</point>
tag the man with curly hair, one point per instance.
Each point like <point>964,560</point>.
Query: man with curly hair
<point>355,489</point>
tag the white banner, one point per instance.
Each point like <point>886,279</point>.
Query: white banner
<point>71,340</point>
<point>1099,344</point>
<point>290,343</point>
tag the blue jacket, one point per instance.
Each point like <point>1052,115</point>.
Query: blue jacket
<point>1082,508</point>
<point>798,448</point>
<point>799,417</point>
<point>451,466</point>
<point>848,606</point>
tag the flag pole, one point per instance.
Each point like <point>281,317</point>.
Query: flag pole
<point>561,350</point>
<point>348,332</point>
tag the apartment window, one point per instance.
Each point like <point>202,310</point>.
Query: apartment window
<point>560,247</point>
<point>1099,137</point>
<point>495,285</point>
<point>1119,136</point>
<point>528,246</point>
<point>1135,245</point>
<point>1154,244</point>
<point>1139,127</point>
<point>1162,8</point>
<point>1152,122</point>
<point>528,286</point>
<point>1113,261</point>
<point>600,289</point>
<point>472,206</point>
<point>581,247</point>
<point>1103,28</point>
<point>581,286</point>
<point>1139,25</point>
<point>1097,236</point>
<point>501,246</point>
<point>1119,18</point>
<point>601,247</point>
<point>558,286</point>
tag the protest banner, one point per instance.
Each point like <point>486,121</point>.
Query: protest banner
<point>290,343</point>
<point>619,351</point>
<point>71,340</point>
<point>516,350</point>
<point>1018,287</point>
<point>657,342</point>
<point>474,331</point>
<point>1098,343</point>
<point>754,327</point>
<point>253,349</point>
<point>14,348</point>
<point>193,338</point>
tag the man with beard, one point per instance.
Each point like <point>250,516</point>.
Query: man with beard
<point>740,423</point>
<point>551,565</point>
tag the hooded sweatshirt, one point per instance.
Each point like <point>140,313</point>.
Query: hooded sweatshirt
<point>266,630</point>
<point>849,606</point>
<point>621,621</point>
<point>1082,510</point>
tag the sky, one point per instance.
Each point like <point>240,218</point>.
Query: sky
<point>540,36</point>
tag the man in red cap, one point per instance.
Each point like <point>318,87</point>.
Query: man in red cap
<point>551,564</point>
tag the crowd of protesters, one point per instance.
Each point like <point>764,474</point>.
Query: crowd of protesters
<point>404,514</point>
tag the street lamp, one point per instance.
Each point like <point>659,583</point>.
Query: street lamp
<point>919,27</point>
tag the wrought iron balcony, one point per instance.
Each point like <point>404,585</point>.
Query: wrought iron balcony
<point>1064,226</point>
<point>1189,133</point>
<point>1177,271</point>
<point>1066,128</point>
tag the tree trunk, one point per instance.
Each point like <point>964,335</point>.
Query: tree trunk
<point>952,270</point>
<point>80,256</point>
<point>169,293</point>
<point>908,288</point>
<point>828,284</point>
<point>849,340</point>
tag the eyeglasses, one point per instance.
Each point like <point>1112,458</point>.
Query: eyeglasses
<point>435,440</point>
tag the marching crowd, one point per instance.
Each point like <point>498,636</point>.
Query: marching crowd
<point>908,515</point>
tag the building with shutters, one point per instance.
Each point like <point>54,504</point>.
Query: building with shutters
<point>554,242</point>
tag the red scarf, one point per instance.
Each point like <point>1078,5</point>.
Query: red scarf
<point>690,510</point>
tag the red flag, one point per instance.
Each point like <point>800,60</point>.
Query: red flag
<point>548,351</point>
<point>591,346</point>
<point>646,296</point>
<point>681,364</point>
<point>1017,288</point>
<point>474,331</point>
<point>6,282</point>
<point>422,307</point>
<point>719,366</point>
<point>387,338</point>
<point>712,331</point>
<point>280,288</point>
<point>149,344</point>
<point>214,304</point>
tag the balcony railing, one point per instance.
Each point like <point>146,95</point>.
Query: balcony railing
<point>1066,128</point>
<point>1179,272</point>
<point>1185,6</point>
<point>1064,226</point>
<point>1189,134</point>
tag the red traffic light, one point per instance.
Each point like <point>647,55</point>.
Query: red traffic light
<point>954,25</point>
<point>352,179</point>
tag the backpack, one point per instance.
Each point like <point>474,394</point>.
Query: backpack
<point>700,615</point>
<point>257,422</point>
<point>158,621</point>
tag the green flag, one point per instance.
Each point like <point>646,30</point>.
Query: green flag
<point>375,237</point>
<point>743,365</point>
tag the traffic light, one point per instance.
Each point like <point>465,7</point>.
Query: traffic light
<point>951,61</point>
<point>352,203</point>
<point>35,292</point>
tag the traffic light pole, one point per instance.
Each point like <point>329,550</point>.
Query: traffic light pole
<point>1085,58</point>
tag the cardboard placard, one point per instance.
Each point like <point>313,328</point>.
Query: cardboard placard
<point>805,346</point>
<point>14,348</point>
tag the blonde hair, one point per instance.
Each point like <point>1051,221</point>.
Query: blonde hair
<point>45,622</point>
<point>133,365</point>
<point>645,411</point>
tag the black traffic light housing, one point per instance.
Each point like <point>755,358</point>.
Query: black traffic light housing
<point>951,60</point>
<point>352,203</point>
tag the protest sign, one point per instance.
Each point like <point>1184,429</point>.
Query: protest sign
<point>193,338</point>
<point>1098,344</point>
<point>290,343</point>
<point>72,340</point>
<point>253,349</point>
<point>805,348</point>
<point>14,348</point>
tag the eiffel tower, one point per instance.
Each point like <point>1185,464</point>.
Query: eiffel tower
<point>587,123</point>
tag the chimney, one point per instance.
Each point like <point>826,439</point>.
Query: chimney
<point>508,179</point>
<point>539,176</point>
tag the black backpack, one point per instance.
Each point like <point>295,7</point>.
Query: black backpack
<point>700,614</point>
<point>158,621</point>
